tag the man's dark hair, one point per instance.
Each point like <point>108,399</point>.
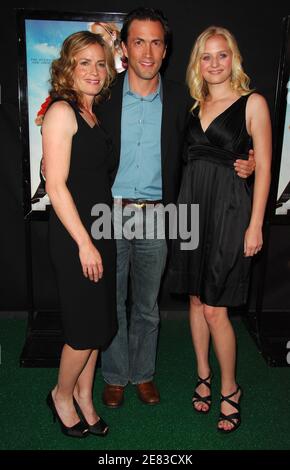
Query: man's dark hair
<point>143,13</point>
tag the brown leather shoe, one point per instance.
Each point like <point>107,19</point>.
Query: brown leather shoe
<point>148,393</point>
<point>113,395</point>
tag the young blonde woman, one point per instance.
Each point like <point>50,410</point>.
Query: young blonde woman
<point>227,120</point>
<point>78,165</point>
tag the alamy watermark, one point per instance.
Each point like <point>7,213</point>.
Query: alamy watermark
<point>147,221</point>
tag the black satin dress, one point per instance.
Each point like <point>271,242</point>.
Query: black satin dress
<point>216,270</point>
<point>88,309</point>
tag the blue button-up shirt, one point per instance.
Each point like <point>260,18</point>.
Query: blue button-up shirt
<point>139,173</point>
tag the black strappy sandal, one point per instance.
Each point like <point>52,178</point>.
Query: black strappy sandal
<point>233,418</point>
<point>198,398</point>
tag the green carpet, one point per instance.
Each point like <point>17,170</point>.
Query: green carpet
<point>172,425</point>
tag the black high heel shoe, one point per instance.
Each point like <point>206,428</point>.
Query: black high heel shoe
<point>78,430</point>
<point>233,418</point>
<point>100,428</point>
<point>197,398</point>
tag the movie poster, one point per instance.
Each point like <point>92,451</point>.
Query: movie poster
<point>40,42</point>
<point>281,174</point>
<point>283,195</point>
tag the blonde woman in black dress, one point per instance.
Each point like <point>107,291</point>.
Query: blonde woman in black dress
<point>78,164</point>
<point>226,120</point>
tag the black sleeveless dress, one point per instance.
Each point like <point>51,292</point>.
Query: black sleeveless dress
<point>216,270</point>
<point>88,309</point>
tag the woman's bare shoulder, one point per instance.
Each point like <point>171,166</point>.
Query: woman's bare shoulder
<point>60,108</point>
<point>256,100</point>
<point>60,115</point>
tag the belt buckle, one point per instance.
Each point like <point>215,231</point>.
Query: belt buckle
<point>140,205</point>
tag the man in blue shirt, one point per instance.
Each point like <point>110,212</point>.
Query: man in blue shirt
<point>146,118</point>
<point>139,173</point>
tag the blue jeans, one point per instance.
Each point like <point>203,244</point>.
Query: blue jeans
<point>132,354</point>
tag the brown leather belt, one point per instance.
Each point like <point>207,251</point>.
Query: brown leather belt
<point>140,203</point>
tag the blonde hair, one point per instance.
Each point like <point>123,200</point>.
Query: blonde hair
<point>197,85</point>
<point>109,28</point>
<point>62,68</point>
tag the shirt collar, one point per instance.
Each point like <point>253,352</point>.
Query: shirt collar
<point>150,97</point>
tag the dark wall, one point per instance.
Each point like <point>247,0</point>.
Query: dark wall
<point>257,26</point>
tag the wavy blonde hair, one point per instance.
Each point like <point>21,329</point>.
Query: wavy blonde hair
<point>197,85</point>
<point>62,68</point>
